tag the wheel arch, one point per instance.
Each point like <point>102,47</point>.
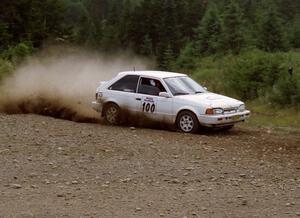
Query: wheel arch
<point>187,126</point>
<point>185,109</point>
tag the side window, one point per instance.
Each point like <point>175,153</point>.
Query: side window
<point>150,87</point>
<point>126,84</point>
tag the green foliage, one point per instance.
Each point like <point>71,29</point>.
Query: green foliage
<point>147,46</point>
<point>286,91</point>
<point>270,30</point>
<point>32,20</point>
<point>273,116</point>
<point>186,60</point>
<point>80,28</point>
<point>210,73</point>
<point>18,53</point>
<point>233,38</point>
<point>149,27</point>
<point>6,67</point>
<point>4,35</point>
<point>253,75</point>
<point>190,36</point>
<point>163,24</point>
<point>294,33</point>
<point>168,60</point>
<point>209,32</point>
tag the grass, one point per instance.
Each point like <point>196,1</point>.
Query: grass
<point>269,116</point>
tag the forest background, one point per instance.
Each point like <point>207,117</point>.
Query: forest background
<point>248,49</point>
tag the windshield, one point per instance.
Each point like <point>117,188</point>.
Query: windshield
<point>183,85</point>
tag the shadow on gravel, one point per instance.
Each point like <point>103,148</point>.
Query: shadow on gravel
<point>220,132</point>
<point>142,121</point>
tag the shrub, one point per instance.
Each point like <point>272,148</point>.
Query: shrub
<point>18,53</point>
<point>286,91</point>
<point>253,73</point>
<point>6,67</point>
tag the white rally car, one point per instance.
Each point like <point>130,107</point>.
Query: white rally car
<point>167,97</point>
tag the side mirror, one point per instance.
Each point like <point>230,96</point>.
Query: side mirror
<point>164,94</point>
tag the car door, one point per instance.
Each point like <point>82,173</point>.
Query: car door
<point>123,92</point>
<point>150,104</point>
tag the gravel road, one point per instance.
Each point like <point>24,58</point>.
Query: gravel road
<point>57,168</point>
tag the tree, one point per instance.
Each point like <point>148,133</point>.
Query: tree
<point>147,46</point>
<point>233,38</point>
<point>79,23</point>
<point>295,33</point>
<point>167,61</point>
<point>4,36</point>
<point>209,32</point>
<point>33,20</point>
<point>186,59</point>
<point>270,30</point>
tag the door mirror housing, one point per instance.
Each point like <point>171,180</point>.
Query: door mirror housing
<point>164,94</point>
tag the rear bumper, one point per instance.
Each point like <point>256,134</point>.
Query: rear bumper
<point>224,119</point>
<point>96,106</point>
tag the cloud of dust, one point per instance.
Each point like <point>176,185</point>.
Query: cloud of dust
<point>61,82</point>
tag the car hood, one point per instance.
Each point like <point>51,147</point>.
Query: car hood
<point>210,99</point>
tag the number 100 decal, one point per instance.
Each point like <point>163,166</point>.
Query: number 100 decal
<point>148,107</point>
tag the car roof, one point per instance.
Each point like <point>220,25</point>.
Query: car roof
<point>157,74</point>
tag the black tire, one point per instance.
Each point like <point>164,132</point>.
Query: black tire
<point>112,114</point>
<point>187,122</point>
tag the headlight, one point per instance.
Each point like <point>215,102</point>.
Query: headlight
<point>218,111</point>
<point>213,111</point>
<point>242,108</point>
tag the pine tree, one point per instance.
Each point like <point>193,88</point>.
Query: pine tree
<point>295,32</point>
<point>271,34</point>
<point>209,32</point>
<point>167,61</point>
<point>233,38</point>
<point>186,59</point>
<point>168,29</point>
<point>4,36</point>
<point>147,46</point>
<point>125,23</point>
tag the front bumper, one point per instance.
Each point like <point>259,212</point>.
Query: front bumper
<point>223,119</point>
<point>96,106</point>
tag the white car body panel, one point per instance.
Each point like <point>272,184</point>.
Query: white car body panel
<point>167,109</point>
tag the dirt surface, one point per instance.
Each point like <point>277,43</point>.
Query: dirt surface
<point>57,168</point>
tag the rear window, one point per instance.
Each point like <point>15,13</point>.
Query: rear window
<point>126,84</point>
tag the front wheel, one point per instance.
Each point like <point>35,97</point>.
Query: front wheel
<point>112,114</point>
<point>187,122</point>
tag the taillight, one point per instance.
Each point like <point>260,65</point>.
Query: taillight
<point>98,95</point>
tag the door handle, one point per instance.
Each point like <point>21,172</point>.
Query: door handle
<point>138,99</point>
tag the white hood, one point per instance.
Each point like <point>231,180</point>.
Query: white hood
<point>212,100</point>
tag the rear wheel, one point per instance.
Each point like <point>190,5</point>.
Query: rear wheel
<point>112,114</point>
<point>187,122</point>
